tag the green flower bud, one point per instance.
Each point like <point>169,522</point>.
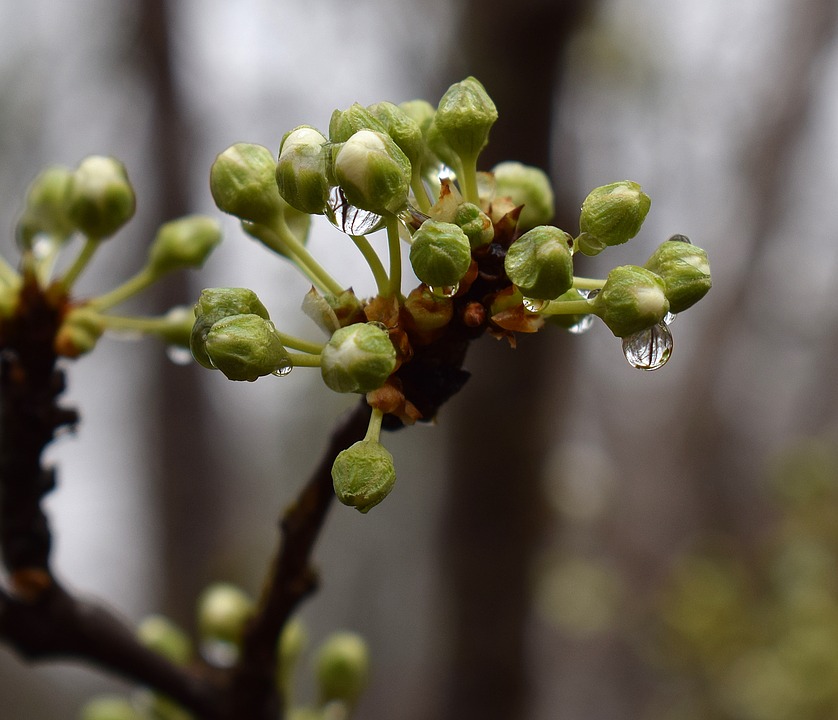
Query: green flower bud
<point>476,224</point>
<point>80,330</point>
<point>46,206</point>
<point>363,475</point>
<point>685,270</point>
<point>100,199</point>
<point>373,172</point>
<point>422,113</point>
<point>358,358</point>
<point>183,243</point>
<point>440,253</point>
<point>164,637</point>
<point>631,300</point>
<point>301,170</point>
<point>223,612</point>
<point>109,708</point>
<point>246,347</point>
<point>292,644</point>
<point>539,263</point>
<point>528,186</point>
<point>215,304</point>
<point>404,130</point>
<point>611,215</point>
<point>243,183</point>
<point>464,116</point>
<point>345,123</point>
<point>342,667</point>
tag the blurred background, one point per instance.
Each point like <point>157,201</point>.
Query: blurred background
<point>572,538</point>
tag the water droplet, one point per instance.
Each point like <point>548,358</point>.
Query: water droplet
<point>648,349</point>
<point>680,238</point>
<point>445,291</point>
<point>285,367</point>
<point>412,217</point>
<point>534,305</point>
<point>445,173</point>
<point>42,247</point>
<point>219,653</point>
<point>179,355</point>
<point>669,318</point>
<point>349,219</point>
<point>590,294</point>
<point>584,324</point>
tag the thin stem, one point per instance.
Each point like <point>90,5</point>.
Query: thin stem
<point>420,193</point>
<point>307,346</point>
<point>469,179</point>
<point>147,325</point>
<point>374,428</point>
<point>313,269</point>
<point>567,307</point>
<point>129,288</point>
<point>394,246</point>
<point>371,256</point>
<point>304,360</point>
<point>581,283</point>
<point>91,244</point>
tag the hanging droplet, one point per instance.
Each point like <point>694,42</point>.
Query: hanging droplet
<point>445,173</point>
<point>42,247</point>
<point>445,291</point>
<point>589,294</point>
<point>648,349</point>
<point>669,318</point>
<point>680,238</point>
<point>179,355</point>
<point>584,324</point>
<point>534,305</point>
<point>285,367</point>
<point>349,219</point>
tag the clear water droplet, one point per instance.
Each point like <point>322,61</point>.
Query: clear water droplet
<point>179,355</point>
<point>585,324</point>
<point>42,247</point>
<point>349,219</point>
<point>413,217</point>
<point>219,653</point>
<point>669,318</point>
<point>680,238</point>
<point>285,367</point>
<point>445,173</point>
<point>445,291</point>
<point>648,349</point>
<point>591,294</point>
<point>534,305</point>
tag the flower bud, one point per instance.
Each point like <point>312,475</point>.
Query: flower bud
<point>183,243</point>
<point>223,612</point>
<point>243,183</point>
<point>164,637</point>
<point>215,304</point>
<point>528,186</point>
<point>539,263</point>
<point>685,270</point>
<point>631,300</point>
<point>422,113</point>
<point>363,475</point>
<point>80,330</point>
<point>358,358</point>
<point>440,253</point>
<point>246,347</point>
<point>46,206</point>
<point>345,123</point>
<point>109,707</point>
<point>464,116</point>
<point>292,644</point>
<point>611,215</point>
<point>100,199</point>
<point>373,172</point>
<point>428,313</point>
<point>404,130</point>
<point>301,170</point>
<point>476,224</point>
<point>342,667</point>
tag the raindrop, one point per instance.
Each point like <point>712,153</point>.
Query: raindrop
<point>284,368</point>
<point>680,238</point>
<point>648,349</point>
<point>589,294</point>
<point>445,291</point>
<point>445,173</point>
<point>669,318</point>
<point>42,247</point>
<point>534,305</point>
<point>585,323</point>
<point>179,355</point>
<point>349,219</point>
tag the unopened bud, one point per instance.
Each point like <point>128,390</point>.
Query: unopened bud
<point>79,332</point>
<point>404,130</point>
<point>100,199</point>
<point>528,186</point>
<point>46,206</point>
<point>109,707</point>
<point>685,270</point>
<point>301,170</point>
<point>243,183</point>
<point>358,358</point>
<point>342,667</point>
<point>345,123</point>
<point>246,347</point>
<point>440,253</point>
<point>611,215</point>
<point>464,116</point>
<point>184,243</point>
<point>223,612</point>
<point>476,224</point>
<point>363,475</point>
<point>631,300</point>
<point>539,263</point>
<point>164,637</point>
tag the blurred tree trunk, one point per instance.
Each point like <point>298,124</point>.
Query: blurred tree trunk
<point>494,509</point>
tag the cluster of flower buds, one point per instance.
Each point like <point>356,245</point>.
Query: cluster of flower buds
<point>93,201</point>
<point>480,244</point>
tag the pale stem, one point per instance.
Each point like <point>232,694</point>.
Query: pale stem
<point>374,428</point>
<point>146,325</point>
<point>290,341</point>
<point>469,179</point>
<point>581,283</point>
<point>420,193</point>
<point>305,260</point>
<point>304,360</point>
<point>129,288</point>
<point>90,246</point>
<point>371,256</point>
<point>394,246</point>
<point>567,307</point>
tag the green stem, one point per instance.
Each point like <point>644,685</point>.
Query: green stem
<point>129,288</point>
<point>420,193</point>
<point>394,286</point>
<point>147,325</point>
<point>469,179</point>
<point>305,260</point>
<point>581,283</point>
<point>296,343</point>
<point>91,244</point>
<point>374,428</point>
<point>567,307</point>
<point>304,360</point>
<point>371,256</point>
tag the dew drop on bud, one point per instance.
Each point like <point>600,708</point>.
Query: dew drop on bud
<point>680,238</point>
<point>284,369</point>
<point>349,219</point>
<point>445,291</point>
<point>648,349</point>
<point>590,294</point>
<point>669,318</point>
<point>585,324</point>
<point>534,305</point>
<point>445,173</point>
<point>179,355</point>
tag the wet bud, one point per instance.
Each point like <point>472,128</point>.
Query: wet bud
<point>373,172</point>
<point>215,304</point>
<point>685,270</point>
<point>342,667</point>
<point>164,637</point>
<point>79,332</point>
<point>528,186</point>
<point>100,199</point>
<point>631,300</point>
<point>428,312</point>
<point>246,347</point>
<point>404,130</point>
<point>464,116</point>
<point>243,183</point>
<point>301,170</point>
<point>110,708</point>
<point>345,123</point>
<point>539,263</point>
<point>183,243</point>
<point>358,358</point>
<point>223,612</point>
<point>440,253</point>
<point>611,215</point>
<point>422,113</point>
<point>363,475</point>
<point>476,224</point>
<point>46,206</point>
